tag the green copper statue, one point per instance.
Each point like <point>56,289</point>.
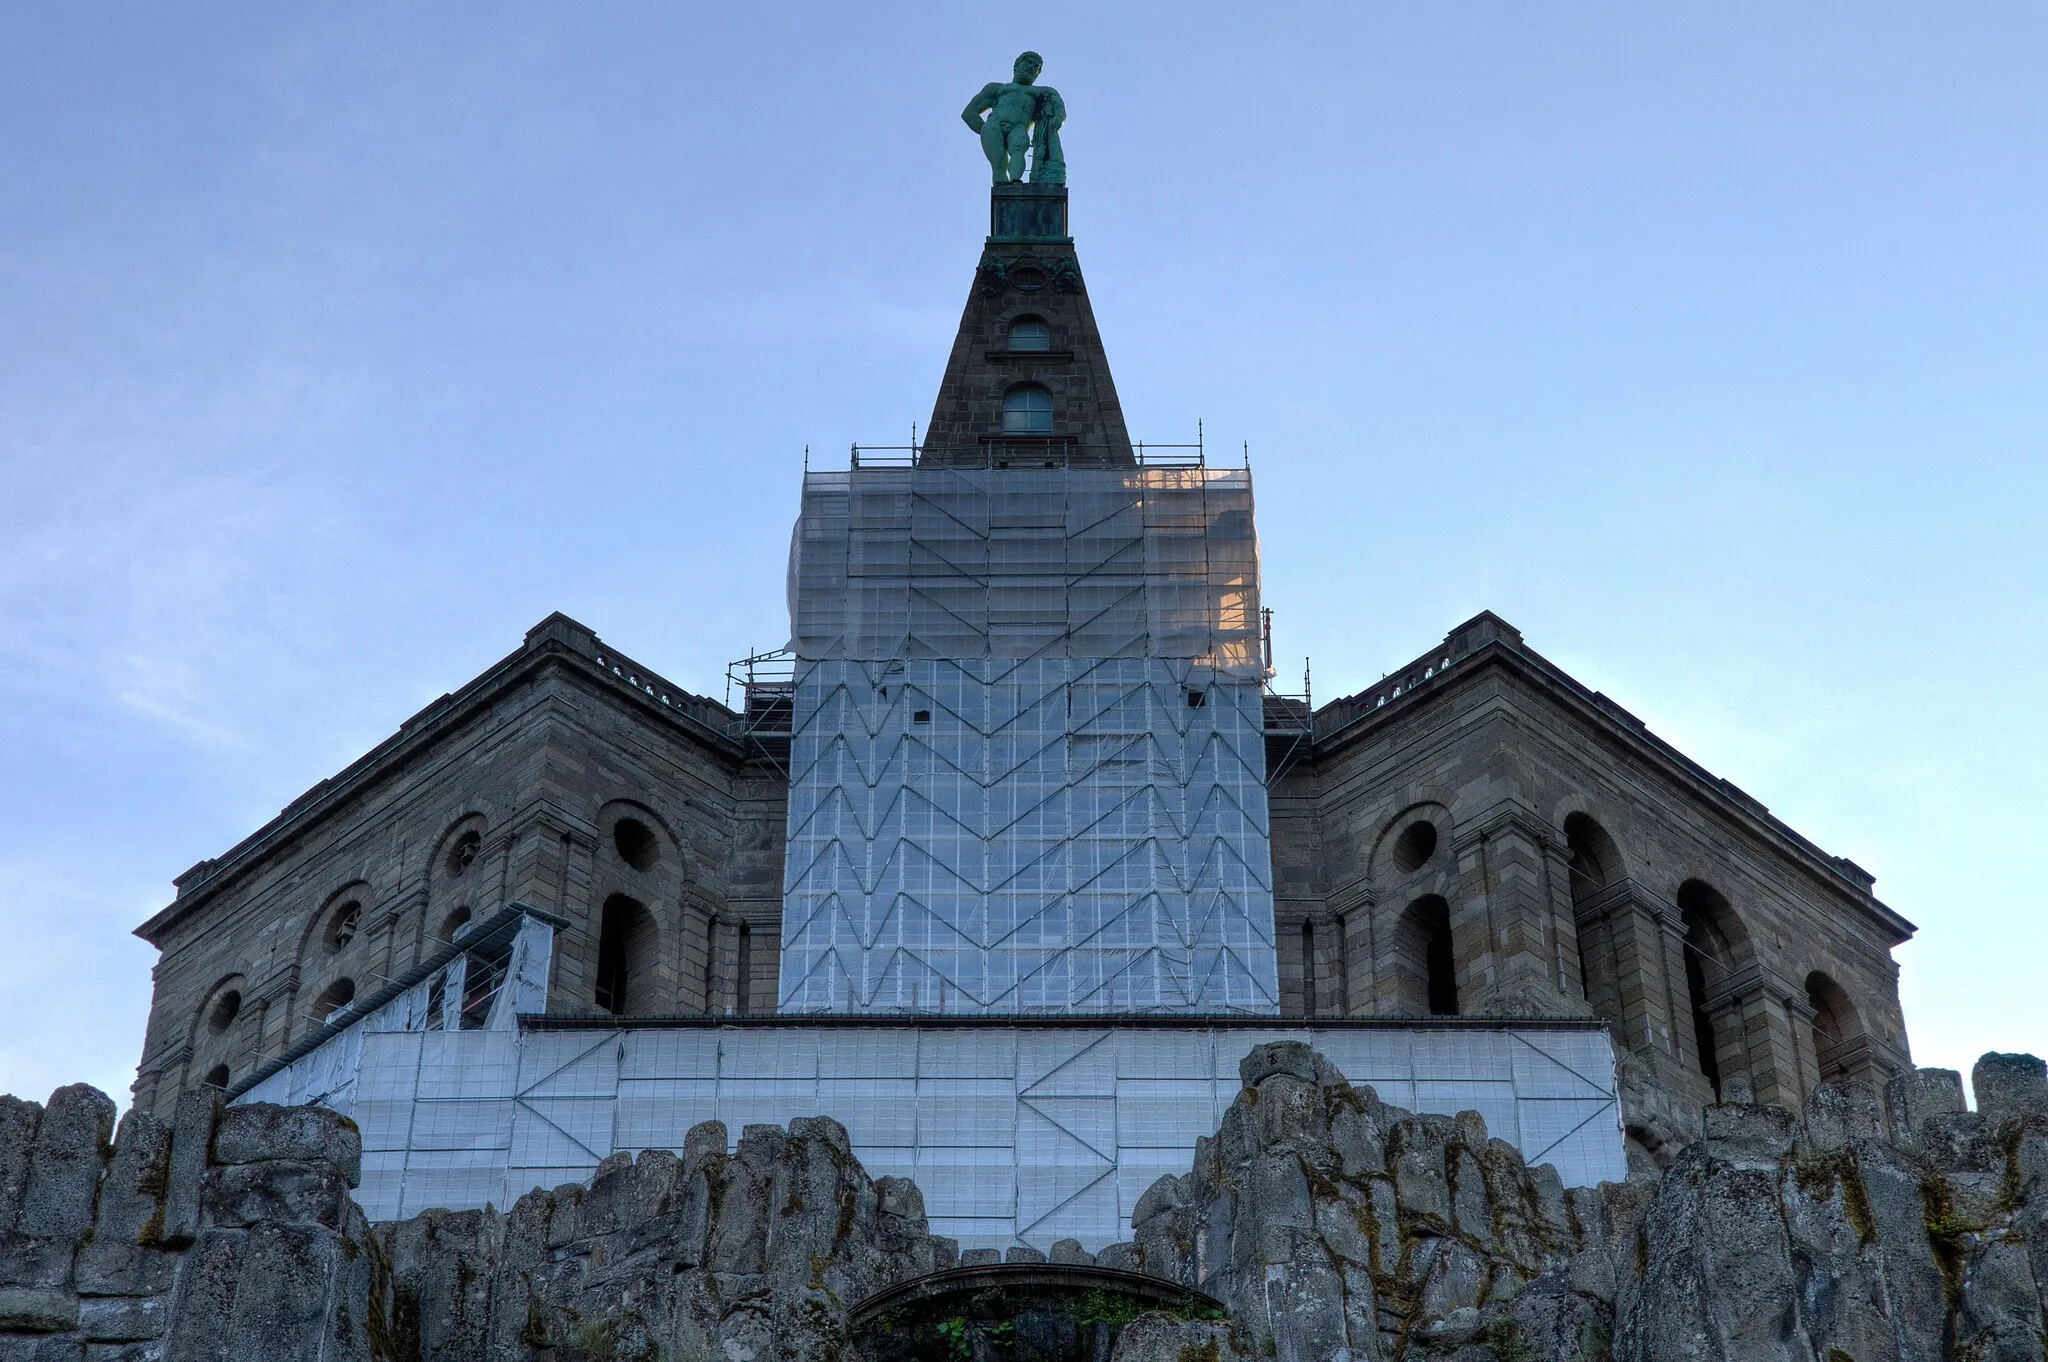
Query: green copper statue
<point>1020,115</point>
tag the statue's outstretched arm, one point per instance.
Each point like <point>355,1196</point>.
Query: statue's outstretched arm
<point>979,105</point>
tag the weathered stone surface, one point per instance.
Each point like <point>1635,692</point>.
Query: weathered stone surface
<point>2006,1086</point>
<point>111,1268</point>
<point>36,1310</point>
<point>291,1192</point>
<point>1158,1338</point>
<point>1769,1238</point>
<point>121,1319</point>
<point>132,1196</point>
<point>260,1132</point>
<point>1914,1096</point>
<point>18,1121</point>
<point>65,1164</point>
<point>191,1150</point>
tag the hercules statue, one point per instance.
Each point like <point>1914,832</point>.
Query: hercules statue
<point>1020,115</point>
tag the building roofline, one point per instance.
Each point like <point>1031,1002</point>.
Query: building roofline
<point>557,640</point>
<point>1487,640</point>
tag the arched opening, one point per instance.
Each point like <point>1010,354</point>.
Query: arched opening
<point>225,1009</point>
<point>216,1077</point>
<point>1712,934</point>
<point>331,1000</point>
<point>625,956</point>
<point>1030,333</point>
<point>1308,968</point>
<point>452,925</point>
<point>462,852</point>
<point>1834,1025</point>
<point>636,844</point>
<point>342,925</point>
<point>1027,410</point>
<point>1415,845</point>
<point>1592,864</point>
<point>1425,967</point>
<point>743,987</point>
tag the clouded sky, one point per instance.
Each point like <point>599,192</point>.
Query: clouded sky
<point>339,345</point>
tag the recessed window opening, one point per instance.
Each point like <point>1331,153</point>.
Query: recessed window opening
<point>463,854</point>
<point>635,843</point>
<point>743,988</point>
<point>1030,333</point>
<point>1308,968</point>
<point>1197,698</point>
<point>1433,916</point>
<point>625,951</point>
<point>1027,410</point>
<point>333,999</point>
<point>341,927</point>
<point>922,716</point>
<point>453,924</point>
<point>1710,930</point>
<point>224,1011</point>
<point>1415,845</point>
<point>1834,1022</point>
<point>216,1077</point>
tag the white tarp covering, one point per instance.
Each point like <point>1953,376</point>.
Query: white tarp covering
<point>1014,1134</point>
<point>1019,836</point>
<point>1027,759</point>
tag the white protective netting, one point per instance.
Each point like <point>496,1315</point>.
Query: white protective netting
<point>961,564</point>
<point>1027,765</point>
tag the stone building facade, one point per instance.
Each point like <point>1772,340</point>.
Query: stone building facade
<point>1479,834</point>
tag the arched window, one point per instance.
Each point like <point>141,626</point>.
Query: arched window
<point>626,950</point>
<point>332,999</point>
<point>1834,1023</point>
<point>342,925</point>
<point>1027,410</point>
<point>225,1009</point>
<point>1593,863</point>
<point>743,989</point>
<point>1308,968</point>
<point>452,924</point>
<point>1712,937</point>
<point>1030,333</point>
<point>216,1077</point>
<point>1425,967</point>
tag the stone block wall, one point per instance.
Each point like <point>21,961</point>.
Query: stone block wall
<point>512,790</point>
<point>1584,867</point>
<point>217,1234</point>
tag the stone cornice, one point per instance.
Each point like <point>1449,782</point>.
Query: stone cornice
<point>1488,645</point>
<point>558,643</point>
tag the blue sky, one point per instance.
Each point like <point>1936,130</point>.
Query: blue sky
<point>339,345</point>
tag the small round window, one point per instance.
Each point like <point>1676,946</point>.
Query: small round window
<point>1030,333</point>
<point>1027,410</point>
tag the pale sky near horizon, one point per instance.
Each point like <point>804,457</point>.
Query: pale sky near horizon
<point>340,344</point>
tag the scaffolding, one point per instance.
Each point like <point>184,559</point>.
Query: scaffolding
<point>1027,753</point>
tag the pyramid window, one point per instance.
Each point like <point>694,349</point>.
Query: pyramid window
<point>1027,410</point>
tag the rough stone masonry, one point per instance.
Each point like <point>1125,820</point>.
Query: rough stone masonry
<point>1332,1227</point>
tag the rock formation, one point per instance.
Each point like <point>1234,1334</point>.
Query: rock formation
<point>1330,1225</point>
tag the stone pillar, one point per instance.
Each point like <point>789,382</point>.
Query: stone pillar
<point>1754,1035</point>
<point>1502,920</point>
<point>1361,986</point>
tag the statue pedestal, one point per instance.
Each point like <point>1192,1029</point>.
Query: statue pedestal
<point>1028,212</point>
